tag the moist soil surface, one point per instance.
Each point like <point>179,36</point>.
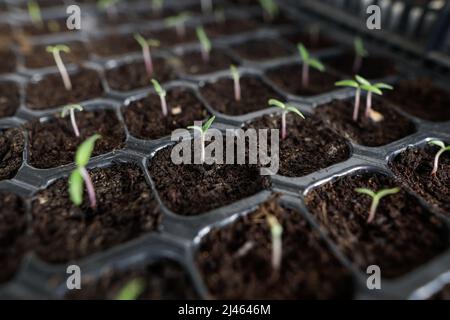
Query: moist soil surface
<point>373,67</point>
<point>38,57</point>
<point>130,76</point>
<point>308,269</point>
<point>113,45</point>
<point>414,165</point>
<point>192,63</point>
<point>53,143</point>
<point>261,49</point>
<point>229,27</point>
<point>169,37</point>
<point>49,26</point>
<point>86,85</point>
<point>402,236</point>
<point>11,152</point>
<point>9,99</point>
<point>312,43</point>
<point>308,147</point>
<point>254,95</point>
<point>125,209</point>
<point>163,280</point>
<point>12,234</point>
<point>338,115</point>
<point>289,77</point>
<point>8,59</point>
<point>422,99</point>
<point>145,120</point>
<point>193,189</point>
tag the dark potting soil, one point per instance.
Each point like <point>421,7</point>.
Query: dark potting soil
<point>373,67</point>
<point>414,165</point>
<point>308,269</point>
<point>48,27</point>
<point>125,209</point>
<point>309,146</point>
<point>310,42</point>
<point>130,76</point>
<point>261,49</point>
<point>145,120</point>
<point>9,99</point>
<point>289,78</point>
<point>113,45</point>
<point>422,99</point>
<point>11,152</point>
<point>254,95</point>
<point>86,85</point>
<point>53,143</point>
<point>403,235</point>
<point>192,63</point>
<point>444,294</point>
<point>12,234</point>
<point>38,57</point>
<point>8,59</point>
<point>193,189</point>
<point>169,37</point>
<point>229,27</point>
<point>338,115</point>
<point>163,280</point>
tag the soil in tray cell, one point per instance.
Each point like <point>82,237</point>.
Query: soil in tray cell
<point>229,27</point>
<point>38,57</point>
<point>11,152</point>
<point>192,63</point>
<point>312,42</point>
<point>402,236</point>
<point>261,49</point>
<point>236,260</point>
<point>8,58</point>
<point>113,45</point>
<point>125,210</point>
<point>9,99</point>
<point>47,27</point>
<point>169,37</point>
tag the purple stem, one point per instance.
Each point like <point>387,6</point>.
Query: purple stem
<point>74,123</point>
<point>305,74</point>
<point>237,89</point>
<point>205,56</point>
<point>283,125</point>
<point>148,60</point>
<point>181,30</point>
<point>368,104</point>
<point>436,162</point>
<point>163,104</point>
<point>89,186</point>
<point>357,103</point>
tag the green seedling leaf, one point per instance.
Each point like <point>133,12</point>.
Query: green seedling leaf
<point>276,103</point>
<point>316,64</point>
<point>76,187</point>
<point>178,19</point>
<point>383,86</point>
<point>132,290</point>
<point>84,151</point>
<point>270,7</point>
<point>359,47</point>
<point>372,89</point>
<point>159,90</point>
<point>208,124</point>
<point>34,10</point>
<point>347,83</point>
<point>234,72</point>
<point>203,38</point>
<point>368,192</point>
<point>295,110</point>
<point>58,48</point>
<point>104,4</point>
<point>146,42</point>
<point>361,80</point>
<point>65,111</point>
<point>303,52</point>
<point>438,143</point>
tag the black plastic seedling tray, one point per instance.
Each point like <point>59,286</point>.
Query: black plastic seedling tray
<point>178,237</point>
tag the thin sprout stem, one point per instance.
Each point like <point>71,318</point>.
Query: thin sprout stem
<point>305,74</point>
<point>74,123</point>
<point>436,162</point>
<point>368,104</point>
<point>357,63</point>
<point>163,104</point>
<point>180,30</point>
<point>148,60</point>
<point>283,125</point>
<point>276,252</point>
<point>62,70</point>
<point>205,56</point>
<point>237,89</point>
<point>202,141</point>
<point>373,209</point>
<point>89,186</point>
<point>357,103</point>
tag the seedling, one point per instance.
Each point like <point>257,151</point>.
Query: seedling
<point>376,197</point>
<point>371,89</point>
<point>203,129</point>
<point>157,6</point>
<point>71,110</point>
<point>286,109</point>
<point>270,9</point>
<point>55,50</point>
<point>207,6</point>
<point>179,23</point>
<point>34,11</point>
<point>442,149</point>
<point>131,290</point>
<point>109,6</point>
<point>236,80</point>
<point>205,44</point>
<point>80,174</point>
<point>360,54</point>
<point>276,231</point>
<point>146,44</point>
<point>308,62</point>
<point>353,84</point>
<point>162,96</point>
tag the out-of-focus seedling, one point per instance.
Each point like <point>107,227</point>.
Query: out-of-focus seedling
<point>376,197</point>
<point>34,11</point>
<point>207,6</point>
<point>286,109</point>
<point>109,6</point>
<point>157,6</point>
<point>131,290</point>
<point>308,62</point>
<point>55,51</point>
<point>236,80</point>
<point>360,54</point>
<point>442,148</point>
<point>179,23</point>
<point>145,45</point>
<point>352,84</point>
<point>203,129</point>
<point>276,231</point>
<point>70,109</point>
<point>80,174</point>
<point>270,9</point>
<point>205,44</point>
<point>162,96</point>
<point>371,89</point>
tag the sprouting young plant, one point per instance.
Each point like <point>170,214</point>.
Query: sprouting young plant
<point>442,148</point>
<point>236,80</point>
<point>207,6</point>
<point>360,54</point>
<point>356,85</point>
<point>286,109</point>
<point>157,6</point>
<point>270,9</point>
<point>179,23</point>
<point>371,89</point>
<point>131,290</point>
<point>70,109</point>
<point>80,174</point>
<point>203,129</point>
<point>162,96</point>
<point>376,197</point>
<point>55,50</point>
<point>34,11</point>
<point>276,231</point>
<point>205,43</point>
<point>109,6</point>
<point>145,45</point>
<point>308,62</point>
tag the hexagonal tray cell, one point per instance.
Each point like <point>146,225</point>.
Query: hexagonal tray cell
<point>86,85</point>
<point>113,45</point>
<point>422,99</point>
<point>38,57</point>
<point>261,49</point>
<point>229,26</point>
<point>254,95</point>
<point>13,224</point>
<point>126,209</point>
<point>236,260</point>
<point>192,63</point>
<point>289,78</point>
<point>402,236</point>
<point>11,152</point>
<point>162,280</point>
<point>52,141</point>
<point>308,147</point>
<point>10,98</point>
<point>144,118</point>
<point>338,115</point>
<point>193,189</point>
<point>310,40</point>
<point>8,58</point>
<point>414,166</point>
